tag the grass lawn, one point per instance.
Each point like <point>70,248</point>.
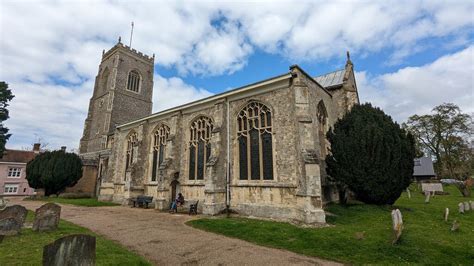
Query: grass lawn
<point>87,202</point>
<point>27,248</point>
<point>426,239</point>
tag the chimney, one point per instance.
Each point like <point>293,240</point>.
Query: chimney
<point>36,147</point>
<point>63,148</point>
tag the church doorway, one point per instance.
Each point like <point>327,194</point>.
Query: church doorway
<point>175,189</point>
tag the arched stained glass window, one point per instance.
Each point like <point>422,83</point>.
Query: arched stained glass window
<point>199,147</point>
<point>254,134</point>
<point>133,83</point>
<point>160,137</point>
<point>132,144</point>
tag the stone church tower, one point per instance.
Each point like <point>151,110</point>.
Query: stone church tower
<point>123,92</point>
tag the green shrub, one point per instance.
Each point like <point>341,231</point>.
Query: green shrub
<point>371,155</point>
<point>54,171</point>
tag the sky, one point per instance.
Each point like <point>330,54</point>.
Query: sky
<point>409,56</point>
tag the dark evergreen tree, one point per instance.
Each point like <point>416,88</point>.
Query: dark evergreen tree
<point>54,171</point>
<point>371,155</point>
<point>5,96</point>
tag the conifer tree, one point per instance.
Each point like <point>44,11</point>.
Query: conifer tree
<point>371,155</point>
<point>5,96</point>
<point>54,171</point>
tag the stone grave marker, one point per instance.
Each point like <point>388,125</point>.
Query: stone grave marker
<point>408,193</point>
<point>427,196</point>
<point>472,205</point>
<point>72,250</point>
<point>467,206</point>
<point>432,187</point>
<point>461,207</point>
<point>455,226</point>
<point>12,219</point>
<point>3,203</point>
<point>446,214</point>
<point>47,217</point>
<point>397,222</point>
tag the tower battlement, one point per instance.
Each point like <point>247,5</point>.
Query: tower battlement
<point>120,45</point>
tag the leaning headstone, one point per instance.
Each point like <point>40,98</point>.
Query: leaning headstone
<point>461,207</point>
<point>455,226</point>
<point>427,196</point>
<point>446,215</point>
<point>72,250</point>
<point>397,222</point>
<point>408,193</point>
<point>467,206</point>
<point>3,203</point>
<point>12,219</point>
<point>47,217</point>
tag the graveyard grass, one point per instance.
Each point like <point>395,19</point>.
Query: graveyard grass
<point>85,202</point>
<point>426,238</point>
<point>27,248</point>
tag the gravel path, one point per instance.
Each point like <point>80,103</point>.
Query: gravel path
<point>164,239</point>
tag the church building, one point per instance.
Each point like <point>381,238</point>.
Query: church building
<point>257,150</point>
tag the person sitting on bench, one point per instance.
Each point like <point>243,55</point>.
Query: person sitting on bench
<point>179,201</point>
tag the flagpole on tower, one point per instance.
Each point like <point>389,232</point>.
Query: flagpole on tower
<point>131,35</point>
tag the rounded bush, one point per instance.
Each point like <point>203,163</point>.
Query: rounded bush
<point>371,155</point>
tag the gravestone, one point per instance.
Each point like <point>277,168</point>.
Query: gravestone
<point>446,215</point>
<point>432,187</point>
<point>461,207</point>
<point>467,206</point>
<point>472,204</point>
<point>408,193</point>
<point>72,250</point>
<point>427,196</point>
<point>47,217</point>
<point>3,203</point>
<point>12,219</point>
<point>397,222</point>
<point>455,226</point>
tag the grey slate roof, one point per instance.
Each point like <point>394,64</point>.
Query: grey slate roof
<point>331,79</point>
<point>423,167</point>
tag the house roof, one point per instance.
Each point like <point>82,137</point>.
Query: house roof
<point>17,156</point>
<point>423,167</point>
<point>331,79</point>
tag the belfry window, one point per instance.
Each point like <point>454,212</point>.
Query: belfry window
<point>254,135</point>
<point>132,145</point>
<point>133,83</point>
<point>199,147</point>
<point>160,137</point>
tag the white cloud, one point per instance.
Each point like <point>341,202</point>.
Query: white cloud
<point>174,91</point>
<point>53,112</point>
<point>49,50</point>
<point>416,90</point>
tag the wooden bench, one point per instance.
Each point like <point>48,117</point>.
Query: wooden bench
<point>141,201</point>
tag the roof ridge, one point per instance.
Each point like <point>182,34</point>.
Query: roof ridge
<point>331,72</point>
